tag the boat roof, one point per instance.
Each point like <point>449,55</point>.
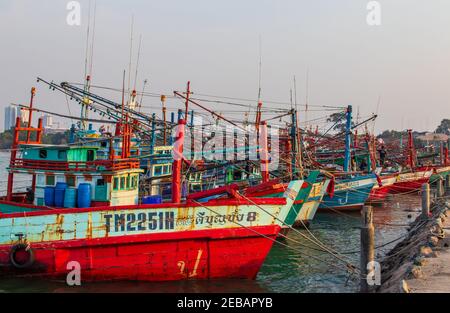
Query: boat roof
<point>51,146</point>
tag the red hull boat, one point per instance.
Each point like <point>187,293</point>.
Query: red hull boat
<point>411,182</point>
<point>208,254</point>
<point>379,193</point>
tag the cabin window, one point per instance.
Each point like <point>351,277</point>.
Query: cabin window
<point>166,169</point>
<point>70,180</point>
<point>100,182</point>
<point>90,155</point>
<point>43,154</point>
<point>103,144</point>
<point>122,183</point>
<point>40,179</point>
<point>50,180</point>
<point>133,182</point>
<point>128,182</point>
<point>62,155</point>
<point>157,171</point>
<point>116,183</point>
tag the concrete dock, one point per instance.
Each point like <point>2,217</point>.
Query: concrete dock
<point>435,272</point>
<point>421,262</point>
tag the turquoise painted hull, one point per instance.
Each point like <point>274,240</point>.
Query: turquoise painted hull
<point>350,194</point>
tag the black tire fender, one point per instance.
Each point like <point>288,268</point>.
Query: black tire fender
<point>20,247</point>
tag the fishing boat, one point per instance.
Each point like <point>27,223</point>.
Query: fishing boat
<point>412,181</point>
<point>349,193</point>
<point>304,203</point>
<point>411,177</point>
<point>351,189</point>
<point>309,209</point>
<point>440,172</point>
<point>113,237</point>
<point>381,190</point>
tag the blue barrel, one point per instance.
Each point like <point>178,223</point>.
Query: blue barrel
<point>60,191</point>
<point>49,196</point>
<point>151,199</point>
<point>70,197</point>
<point>84,195</point>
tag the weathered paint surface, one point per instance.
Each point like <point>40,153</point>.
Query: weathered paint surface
<point>122,222</point>
<point>155,242</point>
<point>309,209</point>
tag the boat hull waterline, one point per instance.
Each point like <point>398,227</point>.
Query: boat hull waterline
<point>218,239</point>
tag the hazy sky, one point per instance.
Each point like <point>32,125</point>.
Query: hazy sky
<point>215,45</point>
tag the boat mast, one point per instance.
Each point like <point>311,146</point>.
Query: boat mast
<point>163,101</point>
<point>348,139</point>
<point>30,112</point>
<point>177,161</point>
<point>264,153</point>
<point>186,104</point>
<point>411,162</point>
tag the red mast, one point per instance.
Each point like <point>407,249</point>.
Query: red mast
<point>30,111</point>
<point>264,153</point>
<point>16,142</point>
<point>177,161</point>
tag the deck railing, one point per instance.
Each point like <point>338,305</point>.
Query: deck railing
<point>75,166</point>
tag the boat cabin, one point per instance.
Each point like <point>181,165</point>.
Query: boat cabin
<point>112,182</point>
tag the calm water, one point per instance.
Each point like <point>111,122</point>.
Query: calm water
<point>286,269</point>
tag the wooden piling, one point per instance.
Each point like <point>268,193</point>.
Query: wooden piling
<point>439,188</point>
<point>447,185</point>
<point>367,246</point>
<point>425,200</point>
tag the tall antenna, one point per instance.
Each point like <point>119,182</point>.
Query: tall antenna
<point>306,97</point>
<point>137,62</point>
<point>295,94</point>
<point>86,102</point>
<point>131,54</point>
<point>142,94</point>
<point>260,71</point>
<point>87,41</point>
<point>93,38</point>
<point>376,112</point>
<point>291,100</point>
<point>247,114</point>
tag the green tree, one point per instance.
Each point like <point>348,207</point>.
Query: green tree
<point>444,127</point>
<point>339,120</point>
<point>6,139</point>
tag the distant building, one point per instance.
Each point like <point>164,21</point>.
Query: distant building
<point>11,113</point>
<point>433,137</point>
<point>47,121</point>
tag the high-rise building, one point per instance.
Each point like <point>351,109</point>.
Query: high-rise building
<point>47,121</point>
<point>10,117</point>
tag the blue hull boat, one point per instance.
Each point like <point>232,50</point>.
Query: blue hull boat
<point>349,194</point>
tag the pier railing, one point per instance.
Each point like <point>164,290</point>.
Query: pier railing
<point>75,166</point>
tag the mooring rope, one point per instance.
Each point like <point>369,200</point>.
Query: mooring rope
<point>349,267</point>
<point>318,243</point>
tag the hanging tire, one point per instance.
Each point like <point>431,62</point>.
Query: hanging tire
<point>21,256</point>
